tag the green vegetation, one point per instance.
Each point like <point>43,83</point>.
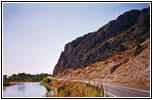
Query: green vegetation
<point>47,80</point>
<point>21,77</point>
<point>122,48</point>
<point>138,47</point>
<point>71,88</point>
<point>92,66</point>
<point>82,67</point>
<point>139,40</point>
<point>6,82</point>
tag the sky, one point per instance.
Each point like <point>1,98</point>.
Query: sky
<point>34,34</point>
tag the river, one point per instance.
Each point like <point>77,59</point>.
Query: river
<point>25,89</point>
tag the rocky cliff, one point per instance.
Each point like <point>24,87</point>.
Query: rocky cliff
<point>124,33</point>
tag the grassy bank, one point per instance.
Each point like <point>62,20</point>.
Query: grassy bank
<point>7,83</point>
<point>71,89</point>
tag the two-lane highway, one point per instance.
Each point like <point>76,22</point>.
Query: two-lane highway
<point>125,90</point>
<point>121,90</point>
<point>118,89</point>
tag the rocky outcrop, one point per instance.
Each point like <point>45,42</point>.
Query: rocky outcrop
<point>124,33</point>
<point>131,67</point>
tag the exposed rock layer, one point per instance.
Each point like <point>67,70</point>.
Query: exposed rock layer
<point>122,34</point>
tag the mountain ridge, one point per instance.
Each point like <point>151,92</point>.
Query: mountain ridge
<point>125,32</point>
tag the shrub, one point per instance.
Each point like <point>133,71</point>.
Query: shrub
<point>92,66</point>
<point>47,80</point>
<point>140,40</point>
<point>138,47</point>
<point>122,47</point>
<point>82,67</point>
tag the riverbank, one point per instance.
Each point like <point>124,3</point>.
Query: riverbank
<point>63,88</point>
<point>7,83</point>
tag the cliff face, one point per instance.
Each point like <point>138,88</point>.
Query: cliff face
<point>124,33</point>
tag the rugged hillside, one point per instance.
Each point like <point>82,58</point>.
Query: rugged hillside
<point>124,33</point>
<point>131,66</point>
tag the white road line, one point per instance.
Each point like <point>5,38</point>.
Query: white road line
<point>110,94</point>
<point>104,90</point>
<point>140,90</point>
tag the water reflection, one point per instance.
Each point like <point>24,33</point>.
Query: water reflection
<point>21,87</point>
<point>25,89</point>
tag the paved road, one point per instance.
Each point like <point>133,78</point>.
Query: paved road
<point>125,90</point>
<point>120,90</point>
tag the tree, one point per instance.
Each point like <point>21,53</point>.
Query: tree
<point>27,77</point>
<point>4,77</point>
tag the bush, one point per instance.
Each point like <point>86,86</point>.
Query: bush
<point>138,47</point>
<point>82,67</point>
<point>122,47</point>
<point>47,80</point>
<point>140,40</point>
<point>138,50</point>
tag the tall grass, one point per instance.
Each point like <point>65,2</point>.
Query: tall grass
<point>72,89</point>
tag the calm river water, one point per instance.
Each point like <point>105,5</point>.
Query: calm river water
<point>25,89</point>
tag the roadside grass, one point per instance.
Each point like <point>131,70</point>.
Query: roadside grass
<point>73,89</point>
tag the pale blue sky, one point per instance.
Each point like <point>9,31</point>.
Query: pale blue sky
<point>34,34</point>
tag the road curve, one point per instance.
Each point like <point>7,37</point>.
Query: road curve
<point>122,90</point>
<point>118,89</point>
<point>125,90</point>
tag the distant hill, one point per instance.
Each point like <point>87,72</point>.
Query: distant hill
<point>126,37</point>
